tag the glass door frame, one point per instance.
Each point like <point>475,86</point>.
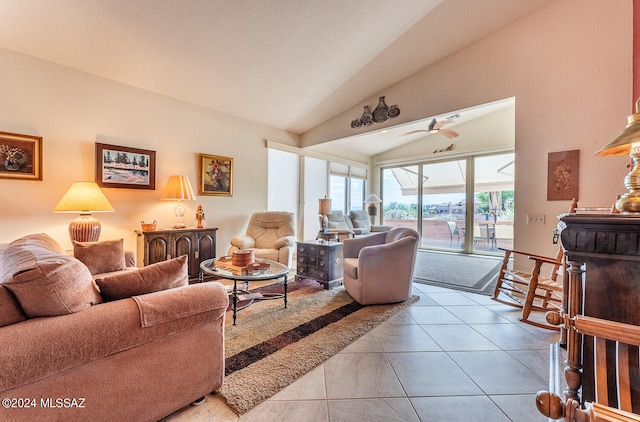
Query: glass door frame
<point>469,194</point>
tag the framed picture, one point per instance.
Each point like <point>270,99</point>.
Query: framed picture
<point>562,175</point>
<point>20,156</point>
<point>124,167</point>
<point>216,175</point>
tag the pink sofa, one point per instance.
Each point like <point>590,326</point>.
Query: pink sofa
<point>143,346</point>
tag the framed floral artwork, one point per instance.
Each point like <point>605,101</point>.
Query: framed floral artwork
<point>216,175</point>
<point>562,175</point>
<point>20,156</point>
<point>124,167</point>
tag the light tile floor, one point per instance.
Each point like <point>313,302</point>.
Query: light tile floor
<point>451,356</point>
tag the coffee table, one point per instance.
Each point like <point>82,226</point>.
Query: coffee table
<point>273,271</point>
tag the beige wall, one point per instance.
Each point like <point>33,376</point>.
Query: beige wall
<point>569,67</point>
<point>72,110</point>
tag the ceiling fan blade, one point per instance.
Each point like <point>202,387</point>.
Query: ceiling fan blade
<point>414,131</point>
<point>442,123</point>
<point>449,133</point>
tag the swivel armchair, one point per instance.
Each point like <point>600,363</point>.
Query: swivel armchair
<point>379,268</point>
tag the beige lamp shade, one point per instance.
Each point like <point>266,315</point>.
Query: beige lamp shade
<point>324,206</point>
<point>179,189</point>
<point>85,198</point>
<point>372,197</point>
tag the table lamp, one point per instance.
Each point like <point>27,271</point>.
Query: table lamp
<point>178,189</point>
<point>324,209</point>
<point>372,199</point>
<point>628,143</point>
<point>85,198</point>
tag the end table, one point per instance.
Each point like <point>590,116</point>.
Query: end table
<point>320,260</point>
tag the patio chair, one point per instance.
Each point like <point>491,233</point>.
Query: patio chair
<point>534,290</point>
<point>453,231</point>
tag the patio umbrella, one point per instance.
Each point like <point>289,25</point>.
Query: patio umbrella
<point>495,203</point>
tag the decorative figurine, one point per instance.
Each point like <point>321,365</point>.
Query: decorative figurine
<point>200,216</point>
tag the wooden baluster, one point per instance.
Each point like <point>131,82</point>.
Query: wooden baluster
<point>573,368</point>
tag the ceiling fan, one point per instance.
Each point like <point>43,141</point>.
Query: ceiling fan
<point>436,127</point>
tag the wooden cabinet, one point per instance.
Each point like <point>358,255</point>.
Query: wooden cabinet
<point>603,258</point>
<point>160,245</point>
<point>321,261</point>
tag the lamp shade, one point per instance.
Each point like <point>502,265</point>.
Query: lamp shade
<point>178,188</point>
<point>85,197</point>
<point>324,206</point>
<point>622,144</point>
<point>372,197</point>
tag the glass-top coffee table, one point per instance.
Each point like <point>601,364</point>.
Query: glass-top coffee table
<point>270,270</point>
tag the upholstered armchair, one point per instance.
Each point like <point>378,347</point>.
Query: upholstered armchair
<point>360,220</point>
<point>379,268</point>
<point>356,224</point>
<point>270,235</point>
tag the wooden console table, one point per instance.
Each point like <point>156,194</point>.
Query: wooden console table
<point>160,245</point>
<point>603,258</point>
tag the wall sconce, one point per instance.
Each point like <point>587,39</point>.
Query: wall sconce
<point>372,199</point>
<point>628,143</point>
<point>85,198</point>
<point>178,189</point>
<point>324,209</point>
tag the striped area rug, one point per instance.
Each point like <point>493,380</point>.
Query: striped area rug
<point>270,347</point>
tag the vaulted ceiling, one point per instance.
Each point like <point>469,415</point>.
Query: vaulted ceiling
<point>290,64</point>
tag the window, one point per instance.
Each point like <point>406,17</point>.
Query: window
<point>433,198</point>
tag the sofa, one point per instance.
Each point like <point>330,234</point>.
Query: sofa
<point>84,344</point>
<point>353,225</point>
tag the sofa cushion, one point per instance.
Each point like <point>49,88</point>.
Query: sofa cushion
<point>138,281</point>
<point>10,310</point>
<point>101,257</point>
<point>45,281</point>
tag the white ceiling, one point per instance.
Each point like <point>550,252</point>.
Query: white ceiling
<point>290,64</point>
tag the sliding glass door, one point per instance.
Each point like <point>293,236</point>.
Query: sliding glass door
<point>459,205</point>
<point>443,204</point>
<point>400,196</point>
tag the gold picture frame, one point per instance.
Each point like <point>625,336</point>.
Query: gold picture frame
<point>20,156</point>
<point>216,175</point>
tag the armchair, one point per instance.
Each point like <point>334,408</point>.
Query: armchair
<point>270,235</point>
<point>356,224</point>
<point>379,268</point>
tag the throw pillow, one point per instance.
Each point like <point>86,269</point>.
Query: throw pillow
<point>45,281</point>
<point>101,257</point>
<point>152,278</point>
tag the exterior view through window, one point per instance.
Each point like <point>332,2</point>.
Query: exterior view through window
<point>432,199</point>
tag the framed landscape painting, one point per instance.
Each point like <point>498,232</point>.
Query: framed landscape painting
<point>216,175</point>
<point>124,167</point>
<point>20,156</point>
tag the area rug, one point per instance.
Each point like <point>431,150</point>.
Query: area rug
<point>471,273</point>
<point>270,347</point>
